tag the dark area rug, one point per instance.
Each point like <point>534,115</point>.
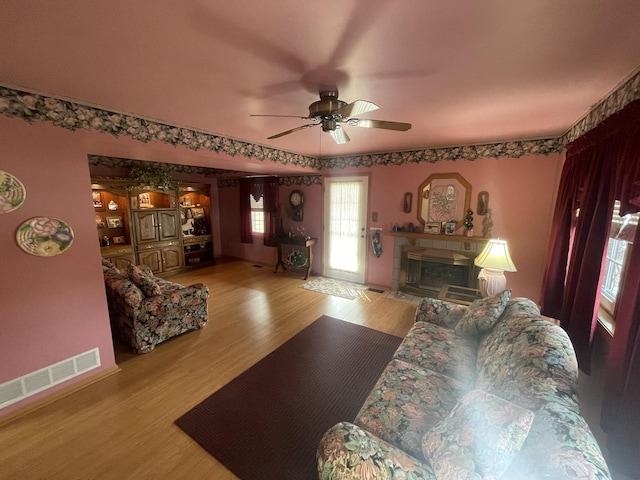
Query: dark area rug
<point>267,423</point>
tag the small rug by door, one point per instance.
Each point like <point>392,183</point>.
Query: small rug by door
<point>267,423</point>
<point>337,288</point>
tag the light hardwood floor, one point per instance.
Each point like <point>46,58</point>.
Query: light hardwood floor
<point>122,426</point>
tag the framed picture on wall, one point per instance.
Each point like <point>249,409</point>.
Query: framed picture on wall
<point>114,222</point>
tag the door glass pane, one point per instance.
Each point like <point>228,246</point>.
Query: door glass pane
<point>343,225</point>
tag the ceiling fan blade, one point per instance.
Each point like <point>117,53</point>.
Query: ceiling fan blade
<point>356,108</point>
<point>281,116</point>
<point>282,134</point>
<point>366,123</point>
<point>339,135</point>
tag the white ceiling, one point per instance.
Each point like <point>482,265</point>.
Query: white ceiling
<point>460,71</point>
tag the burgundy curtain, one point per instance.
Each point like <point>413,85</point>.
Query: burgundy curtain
<point>246,187</point>
<point>601,166</point>
<point>267,188</point>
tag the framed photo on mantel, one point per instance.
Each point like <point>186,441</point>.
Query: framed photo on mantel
<point>432,227</point>
<point>450,228</point>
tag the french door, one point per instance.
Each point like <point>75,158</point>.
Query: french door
<point>345,239</point>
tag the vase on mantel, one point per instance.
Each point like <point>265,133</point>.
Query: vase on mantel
<point>468,233</point>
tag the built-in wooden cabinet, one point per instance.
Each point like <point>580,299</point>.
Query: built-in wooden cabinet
<point>156,226</point>
<point>162,257</point>
<point>166,230</point>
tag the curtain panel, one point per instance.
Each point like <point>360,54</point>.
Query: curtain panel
<point>601,166</point>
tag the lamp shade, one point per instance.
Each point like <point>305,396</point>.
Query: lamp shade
<point>496,256</point>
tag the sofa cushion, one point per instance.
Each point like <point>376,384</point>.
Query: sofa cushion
<point>528,361</point>
<point>482,314</point>
<point>406,402</point>
<point>145,282</point>
<point>439,349</point>
<point>478,439</point>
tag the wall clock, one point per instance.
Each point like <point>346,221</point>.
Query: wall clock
<point>296,199</point>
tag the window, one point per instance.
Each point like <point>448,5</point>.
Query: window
<point>257,216</point>
<point>621,234</point>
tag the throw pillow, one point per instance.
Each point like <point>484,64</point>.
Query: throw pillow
<point>145,282</point>
<point>107,265</point>
<point>483,314</point>
<point>478,439</point>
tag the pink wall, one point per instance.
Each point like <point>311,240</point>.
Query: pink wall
<point>52,308</point>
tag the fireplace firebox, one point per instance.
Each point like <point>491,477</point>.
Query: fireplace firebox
<point>424,271</point>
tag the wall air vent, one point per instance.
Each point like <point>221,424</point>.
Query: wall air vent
<point>19,388</point>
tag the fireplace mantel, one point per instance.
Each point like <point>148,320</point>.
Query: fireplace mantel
<point>413,236</point>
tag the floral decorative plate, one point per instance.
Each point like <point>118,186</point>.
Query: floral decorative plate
<point>12,192</point>
<point>44,236</point>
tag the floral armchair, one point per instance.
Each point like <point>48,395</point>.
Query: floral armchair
<point>146,310</point>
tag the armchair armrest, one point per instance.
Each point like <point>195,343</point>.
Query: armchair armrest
<point>440,312</point>
<point>180,296</point>
<point>347,452</point>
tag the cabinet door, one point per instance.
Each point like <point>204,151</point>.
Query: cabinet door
<point>168,224</point>
<point>151,258</point>
<point>172,258</point>
<point>146,226</point>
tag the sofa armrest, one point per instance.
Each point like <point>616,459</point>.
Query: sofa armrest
<point>440,312</point>
<point>348,452</point>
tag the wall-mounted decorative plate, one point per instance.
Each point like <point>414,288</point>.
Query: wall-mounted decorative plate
<point>44,236</point>
<point>12,192</point>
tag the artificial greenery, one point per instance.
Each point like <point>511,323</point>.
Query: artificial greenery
<point>153,175</point>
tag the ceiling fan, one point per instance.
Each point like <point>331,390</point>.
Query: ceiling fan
<point>329,112</point>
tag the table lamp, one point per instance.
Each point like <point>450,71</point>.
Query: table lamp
<point>494,261</point>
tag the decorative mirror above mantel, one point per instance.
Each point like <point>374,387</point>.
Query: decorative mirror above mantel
<point>444,197</point>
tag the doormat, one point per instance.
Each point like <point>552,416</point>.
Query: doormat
<point>337,288</point>
<point>267,423</point>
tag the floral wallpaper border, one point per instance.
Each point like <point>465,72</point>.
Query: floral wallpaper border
<point>628,92</point>
<point>287,180</point>
<point>73,116</point>
<point>113,162</point>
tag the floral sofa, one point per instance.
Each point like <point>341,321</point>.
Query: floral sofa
<point>481,392</point>
<point>146,310</point>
